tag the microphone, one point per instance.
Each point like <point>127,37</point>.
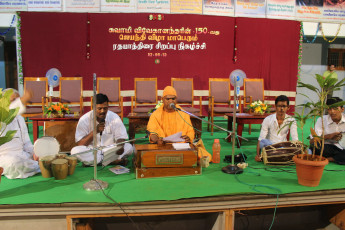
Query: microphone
<point>102,121</point>
<point>173,106</point>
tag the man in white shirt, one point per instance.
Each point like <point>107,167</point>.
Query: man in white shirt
<point>17,156</point>
<point>275,128</point>
<point>334,124</point>
<point>110,130</point>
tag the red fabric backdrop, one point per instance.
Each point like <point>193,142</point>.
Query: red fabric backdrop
<point>266,48</point>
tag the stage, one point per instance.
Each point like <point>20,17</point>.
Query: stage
<point>214,197</point>
<point>43,199</point>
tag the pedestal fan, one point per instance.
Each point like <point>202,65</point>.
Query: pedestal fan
<point>236,80</point>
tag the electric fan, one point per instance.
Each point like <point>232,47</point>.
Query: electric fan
<point>53,76</point>
<point>236,80</point>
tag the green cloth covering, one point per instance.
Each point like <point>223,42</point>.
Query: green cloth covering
<point>125,188</point>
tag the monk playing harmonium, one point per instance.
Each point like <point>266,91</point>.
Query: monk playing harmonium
<point>165,121</point>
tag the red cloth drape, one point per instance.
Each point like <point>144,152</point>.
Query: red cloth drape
<point>267,48</point>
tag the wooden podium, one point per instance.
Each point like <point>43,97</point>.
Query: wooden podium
<point>164,161</point>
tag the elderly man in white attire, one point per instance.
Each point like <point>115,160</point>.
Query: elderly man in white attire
<point>17,156</point>
<point>110,130</point>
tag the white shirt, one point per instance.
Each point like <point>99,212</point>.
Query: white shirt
<point>16,155</point>
<point>330,127</point>
<point>114,128</point>
<point>270,129</point>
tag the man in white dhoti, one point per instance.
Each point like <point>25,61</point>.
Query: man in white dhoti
<point>16,156</point>
<point>110,130</point>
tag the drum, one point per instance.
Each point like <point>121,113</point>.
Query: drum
<point>72,163</point>
<point>61,156</point>
<point>46,146</point>
<point>45,166</point>
<point>60,168</point>
<point>281,153</point>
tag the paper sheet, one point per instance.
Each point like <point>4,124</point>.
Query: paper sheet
<point>174,138</point>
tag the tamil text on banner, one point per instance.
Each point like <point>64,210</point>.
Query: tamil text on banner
<point>250,8</point>
<point>153,6</point>
<point>186,6</point>
<point>334,10</point>
<point>47,5</point>
<point>219,7</point>
<point>119,6</point>
<point>281,9</point>
<point>13,5</point>
<point>82,5</point>
<point>309,10</point>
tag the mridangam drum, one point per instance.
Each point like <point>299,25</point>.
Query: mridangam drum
<point>46,146</point>
<point>45,166</point>
<point>60,168</point>
<point>281,153</point>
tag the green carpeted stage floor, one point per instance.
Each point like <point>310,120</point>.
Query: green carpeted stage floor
<point>256,179</point>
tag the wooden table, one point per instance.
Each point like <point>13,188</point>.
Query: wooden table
<point>138,122</point>
<point>241,119</point>
<point>39,121</point>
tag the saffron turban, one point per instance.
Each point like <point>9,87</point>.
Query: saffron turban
<point>169,90</point>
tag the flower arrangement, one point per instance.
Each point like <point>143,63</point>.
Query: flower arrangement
<point>259,107</point>
<point>58,109</point>
<point>159,104</point>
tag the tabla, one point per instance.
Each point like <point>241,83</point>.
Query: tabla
<point>281,153</point>
<point>60,168</point>
<point>46,146</point>
<point>45,165</point>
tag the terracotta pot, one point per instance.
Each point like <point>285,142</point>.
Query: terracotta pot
<point>1,170</point>
<point>309,172</point>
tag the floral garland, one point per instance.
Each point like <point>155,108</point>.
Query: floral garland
<point>335,37</point>
<point>19,50</point>
<point>300,53</point>
<point>315,36</point>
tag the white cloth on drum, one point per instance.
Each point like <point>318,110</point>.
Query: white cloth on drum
<point>16,155</point>
<point>270,129</point>
<point>330,127</point>
<point>87,158</point>
<point>113,131</point>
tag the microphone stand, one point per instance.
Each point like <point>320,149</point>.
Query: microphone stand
<point>232,168</point>
<point>95,184</point>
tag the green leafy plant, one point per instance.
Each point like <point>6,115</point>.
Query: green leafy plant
<point>324,87</point>
<point>6,116</point>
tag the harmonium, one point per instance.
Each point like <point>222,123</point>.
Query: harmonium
<point>164,161</point>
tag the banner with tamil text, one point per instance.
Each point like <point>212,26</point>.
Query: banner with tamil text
<point>119,6</point>
<point>280,9</point>
<point>250,8</point>
<point>219,7</point>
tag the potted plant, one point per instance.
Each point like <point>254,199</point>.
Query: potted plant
<point>309,169</point>
<point>6,117</point>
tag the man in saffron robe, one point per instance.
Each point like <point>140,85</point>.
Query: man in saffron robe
<point>165,121</point>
